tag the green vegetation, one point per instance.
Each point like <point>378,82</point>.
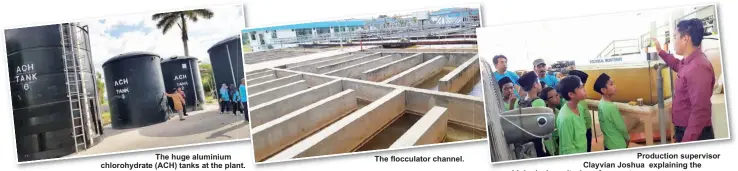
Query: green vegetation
<point>208,84</point>
<point>209,99</point>
<point>245,43</point>
<point>166,21</point>
<point>246,48</point>
<point>106,118</point>
<point>100,89</point>
<point>206,76</point>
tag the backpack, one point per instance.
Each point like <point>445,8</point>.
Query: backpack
<point>526,103</point>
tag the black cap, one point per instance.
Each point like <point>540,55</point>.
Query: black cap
<point>504,81</point>
<point>601,82</point>
<point>528,80</point>
<point>583,76</point>
<point>567,85</point>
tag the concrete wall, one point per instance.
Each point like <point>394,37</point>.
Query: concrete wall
<point>258,73</point>
<point>261,79</point>
<point>456,79</point>
<point>274,93</point>
<point>313,80</point>
<point>418,73</point>
<point>346,134</point>
<point>454,59</point>
<point>462,109</point>
<point>273,83</point>
<point>459,58</point>
<point>292,65</point>
<point>366,90</point>
<point>355,71</point>
<point>347,62</point>
<point>422,50</point>
<point>313,66</point>
<point>403,54</point>
<point>387,70</point>
<point>279,107</point>
<point>282,73</point>
<point>277,134</point>
<point>430,129</point>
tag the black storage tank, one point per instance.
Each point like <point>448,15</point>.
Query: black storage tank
<point>184,72</point>
<point>135,90</point>
<point>227,61</point>
<point>51,118</point>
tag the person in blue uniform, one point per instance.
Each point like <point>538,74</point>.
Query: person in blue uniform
<point>500,62</point>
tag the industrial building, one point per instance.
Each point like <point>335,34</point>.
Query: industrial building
<point>267,38</point>
<point>417,24</point>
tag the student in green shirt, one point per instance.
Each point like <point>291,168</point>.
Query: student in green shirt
<point>584,109</point>
<point>611,122</point>
<point>553,101</point>
<point>532,86</point>
<point>551,98</point>
<point>508,95</point>
<point>569,123</point>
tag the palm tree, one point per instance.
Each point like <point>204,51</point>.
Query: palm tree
<point>165,21</point>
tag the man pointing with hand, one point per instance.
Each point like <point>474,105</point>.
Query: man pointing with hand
<point>692,108</point>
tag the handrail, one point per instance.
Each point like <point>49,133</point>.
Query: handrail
<point>612,47</point>
<point>430,29</point>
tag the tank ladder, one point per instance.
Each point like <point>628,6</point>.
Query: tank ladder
<point>75,86</point>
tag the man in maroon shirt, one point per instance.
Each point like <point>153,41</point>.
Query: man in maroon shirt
<point>691,109</point>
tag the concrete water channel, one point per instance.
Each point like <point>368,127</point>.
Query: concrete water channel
<point>365,100</point>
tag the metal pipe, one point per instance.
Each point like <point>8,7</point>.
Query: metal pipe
<point>230,64</point>
<point>194,85</point>
<point>660,88</point>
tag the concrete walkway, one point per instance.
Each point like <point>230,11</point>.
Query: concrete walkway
<point>199,127</point>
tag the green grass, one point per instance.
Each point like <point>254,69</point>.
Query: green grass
<point>246,48</point>
<point>209,100</point>
<point>106,118</point>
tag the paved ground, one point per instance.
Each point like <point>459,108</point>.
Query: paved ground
<point>199,127</point>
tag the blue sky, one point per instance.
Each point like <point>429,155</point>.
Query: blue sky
<point>117,30</point>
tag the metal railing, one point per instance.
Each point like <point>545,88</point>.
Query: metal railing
<point>382,33</point>
<point>620,47</point>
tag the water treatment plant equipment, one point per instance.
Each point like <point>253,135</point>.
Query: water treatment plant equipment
<point>184,72</point>
<point>227,61</point>
<point>53,92</point>
<point>135,90</point>
<point>364,100</point>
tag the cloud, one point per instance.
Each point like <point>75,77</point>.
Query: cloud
<point>112,36</point>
